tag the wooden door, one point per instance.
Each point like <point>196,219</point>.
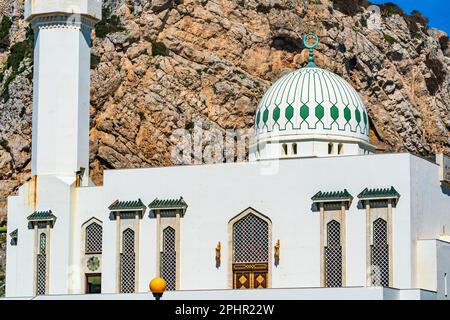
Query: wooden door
<point>250,276</point>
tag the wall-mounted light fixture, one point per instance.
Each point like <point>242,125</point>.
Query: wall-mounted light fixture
<point>218,247</point>
<point>277,253</point>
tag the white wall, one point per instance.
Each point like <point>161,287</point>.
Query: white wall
<point>430,204</point>
<point>216,193</point>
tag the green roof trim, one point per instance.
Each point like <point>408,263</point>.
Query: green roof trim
<point>127,205</point>
<point>42,216</point>
<point>380,193</point>
<point>14,233</point>
<point>167,204</point>
<point>332,196</point>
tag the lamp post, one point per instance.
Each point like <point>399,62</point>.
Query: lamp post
<point>157,287</point>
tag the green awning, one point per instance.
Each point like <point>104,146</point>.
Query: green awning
<point>332,196</point>
<point>127,205</point>
<point>168,207</point>
<point>42,216</point>
<point>167,204</point>
<point>14,233</point>
<point>380,193</point>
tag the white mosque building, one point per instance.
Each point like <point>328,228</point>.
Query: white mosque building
<point>315,212</point>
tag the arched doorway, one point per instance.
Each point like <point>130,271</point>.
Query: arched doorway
<point>250,250</point>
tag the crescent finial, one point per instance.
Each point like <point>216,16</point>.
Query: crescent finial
<point>311,47</point>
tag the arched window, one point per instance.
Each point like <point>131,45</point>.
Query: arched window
<point>169,258</point>
<point>380,254</point>
<point>93,238</point>
<point>294,148</point>
<point>127,262</point>
<point>251,240</point>
<point>333,255</point>
<point>284,149</point>
<point>330,148</point>
<point>41,279</point>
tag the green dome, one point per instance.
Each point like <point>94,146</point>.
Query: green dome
<point>312,102</point>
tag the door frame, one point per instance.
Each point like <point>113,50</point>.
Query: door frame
<point>247,211</point>
<point>86,284</point>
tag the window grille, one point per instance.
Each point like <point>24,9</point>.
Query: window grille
<point>380,254</point>
<point>251,240</point>
<point>333,255</point>
<point>127,262</point>
<point>169,258</point>
<point>41,274</point>
<point>94,238</point>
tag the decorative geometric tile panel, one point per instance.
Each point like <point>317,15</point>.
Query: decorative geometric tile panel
<point>333,255</point>
<point>250,240</point>
<point>169,258</point>
<point>380,254</point>
<point>93,238</point>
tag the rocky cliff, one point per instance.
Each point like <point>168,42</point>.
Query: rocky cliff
<point>161,65</point>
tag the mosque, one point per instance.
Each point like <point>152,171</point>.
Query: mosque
<point>314,213</point>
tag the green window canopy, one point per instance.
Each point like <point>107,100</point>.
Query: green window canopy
<point>168,207</point>
<point>332,196</point>
<point>380,193</point>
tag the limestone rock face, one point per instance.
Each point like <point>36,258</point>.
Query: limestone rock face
<point>163,65</point>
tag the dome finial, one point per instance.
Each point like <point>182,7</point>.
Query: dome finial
<point>311,63</point>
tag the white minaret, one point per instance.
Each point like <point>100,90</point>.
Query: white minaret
<point>61,83</point>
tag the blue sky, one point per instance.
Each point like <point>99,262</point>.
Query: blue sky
<point>438,11</point>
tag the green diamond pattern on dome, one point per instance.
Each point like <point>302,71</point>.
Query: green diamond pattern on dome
<point>358,115</point>
<point>304,112</point>
<point>320,112</point>
<point>289,112</point>
<point>365,117</point>
<point>258,118</point>
<point>276,114</point>
<point>334,112</point>
<point>347,114</point>
<point>266,116</point>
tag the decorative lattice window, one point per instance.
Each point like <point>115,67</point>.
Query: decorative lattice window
<point>251,240</point>
<point>380,254</point>
<point>333,255</point>
<point>94,238</point>
<point>169,258</point>
<point>41,274</point>
<point>127,262</point>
